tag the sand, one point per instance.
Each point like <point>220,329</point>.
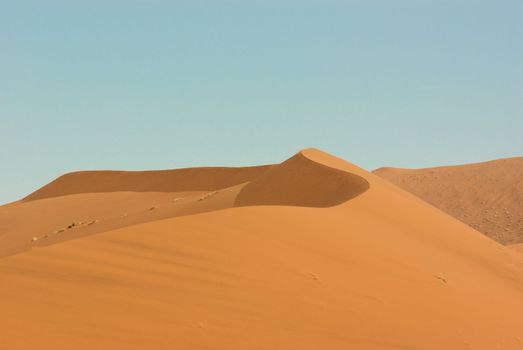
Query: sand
<point>380,270</point>
<point>49,220</point>
<point>176,180</point>
<point>517,247</point>
<point>487,196</point>
<point>302,182</point>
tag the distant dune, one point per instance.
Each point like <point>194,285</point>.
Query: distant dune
<point>486,196</point>
<point>177,180</point>
<point>313,253</point>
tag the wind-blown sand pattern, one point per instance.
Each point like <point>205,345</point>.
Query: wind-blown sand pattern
<point>487,196</point>
<point>257,264</point>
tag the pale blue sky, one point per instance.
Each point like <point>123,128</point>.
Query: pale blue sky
<point>165,84</point>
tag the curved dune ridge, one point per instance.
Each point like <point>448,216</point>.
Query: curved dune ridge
<point>487,196</point>
<point>177,180</point>
<point>74,205</point>
<point>303,180</point>
<point>381,271</point>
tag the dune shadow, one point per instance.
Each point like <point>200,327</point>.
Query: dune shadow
<point>300,181</point>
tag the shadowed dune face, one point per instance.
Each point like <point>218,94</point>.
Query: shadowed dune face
<point>301,181</point>
<point>486,196</point>
<point>177,180</point>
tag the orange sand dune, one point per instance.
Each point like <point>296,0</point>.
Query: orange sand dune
<point>45,221</point>
<point>301,181</point>
<point>487,196</point>
<point>178,180</point>
<point>517,247</point>
<point>382,270</point>
<point>51,220</point>
<point>88,202</point>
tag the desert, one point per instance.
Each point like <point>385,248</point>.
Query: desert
<point>314,252</point>
<point>261,175</point>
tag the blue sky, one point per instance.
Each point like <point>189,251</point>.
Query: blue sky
<point>165,84</point>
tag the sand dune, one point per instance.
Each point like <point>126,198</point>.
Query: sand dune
<point>177,180</point>
<point>381,270</point>
<point>52,220</point>
<point>97,201</point>
<point>487,196</point>
<point>302,181</point>
<point>517,247</point>
<point>45,216</point>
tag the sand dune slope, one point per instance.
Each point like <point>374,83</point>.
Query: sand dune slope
<point>43,221</point>
<point>517,247</point>
<point>177,180</point>
<point>382,270</point>
<point>487,196</point>
<point>301,181</point>
<point>25,225</point>
<point>83,203</point>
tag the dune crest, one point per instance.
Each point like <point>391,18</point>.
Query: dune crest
<point>176,180</point>
<point>308,179</point>
<point>116,199</point>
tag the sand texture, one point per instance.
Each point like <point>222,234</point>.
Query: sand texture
<point>312,253</point>
<point>486,196</point>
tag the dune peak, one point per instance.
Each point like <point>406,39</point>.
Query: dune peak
<point>311,178</point>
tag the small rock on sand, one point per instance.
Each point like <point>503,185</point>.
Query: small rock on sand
<point>207,195</point>
<point>441,278</point>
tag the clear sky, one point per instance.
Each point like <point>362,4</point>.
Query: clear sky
<point>165,84</point>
